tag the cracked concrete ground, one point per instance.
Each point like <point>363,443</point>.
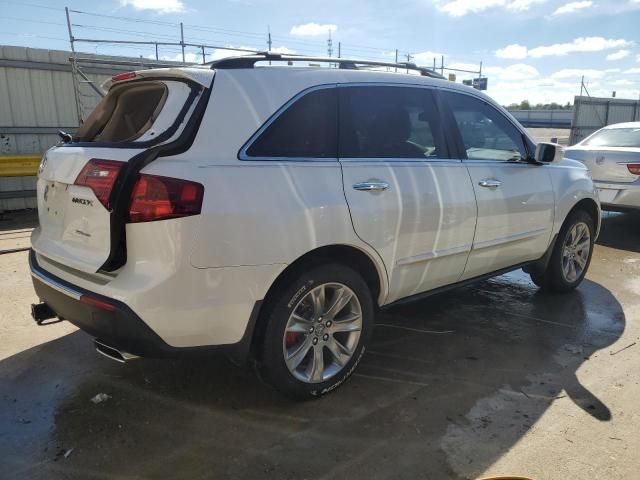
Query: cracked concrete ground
<point>495,378</point>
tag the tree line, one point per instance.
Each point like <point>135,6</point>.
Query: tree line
<point>526,105</point>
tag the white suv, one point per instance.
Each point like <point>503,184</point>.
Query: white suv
<point>267,211</point>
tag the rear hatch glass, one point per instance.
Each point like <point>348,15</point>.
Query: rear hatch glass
<point>75,180</point>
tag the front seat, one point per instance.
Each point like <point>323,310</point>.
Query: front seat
<point>388,133</point>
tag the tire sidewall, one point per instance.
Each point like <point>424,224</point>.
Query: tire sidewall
<point>273,364</point>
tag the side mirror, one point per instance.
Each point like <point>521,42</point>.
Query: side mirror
<point>549,152</point>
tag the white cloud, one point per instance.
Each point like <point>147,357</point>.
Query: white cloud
<point>460,8</point>
<point>632,71</point>
<point>514,51</point>
<point>573,7</point>
<point>313,29</point>
<point>283,49</point>
<point>471,67</point>
<point>579,45</point>
<point>160,6</point>
<point>619,55</point>
<point>517,71</point>
<point>523,5</point>
<point>578,73</point>
<point>623,82</point>
<point>426,58</point>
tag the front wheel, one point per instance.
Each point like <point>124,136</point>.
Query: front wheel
<point>317,330</point>
<point>571,255</point>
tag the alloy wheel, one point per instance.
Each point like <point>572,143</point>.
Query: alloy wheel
<point>575,251</point>
<point>322,332</point>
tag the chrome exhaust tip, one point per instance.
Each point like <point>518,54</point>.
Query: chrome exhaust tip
<point>113,353</point>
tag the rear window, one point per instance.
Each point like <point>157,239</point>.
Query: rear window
<point>134,112</point>
<point>615,137</point>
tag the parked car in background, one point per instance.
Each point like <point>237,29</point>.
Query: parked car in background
<point>267,211</point>
<point>612,155</point>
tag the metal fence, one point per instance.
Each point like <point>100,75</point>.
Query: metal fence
<point>543,118</point>
<point>37,99</point>
<point>591,114</point>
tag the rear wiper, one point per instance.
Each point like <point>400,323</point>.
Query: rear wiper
<point>65,137</point>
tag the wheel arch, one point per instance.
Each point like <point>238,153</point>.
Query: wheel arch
<point>591,207</point>
<point>372,271</point>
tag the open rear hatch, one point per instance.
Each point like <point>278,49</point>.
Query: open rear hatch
<point>85,187</point>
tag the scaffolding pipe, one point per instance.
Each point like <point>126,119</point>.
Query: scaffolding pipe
<point>182,41</point>
<point>74,68</point>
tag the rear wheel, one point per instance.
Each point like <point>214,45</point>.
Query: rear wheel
<point>317,330</point>
<point>571,255</point>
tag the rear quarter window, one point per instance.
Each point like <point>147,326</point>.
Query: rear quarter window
<point>305,129</point>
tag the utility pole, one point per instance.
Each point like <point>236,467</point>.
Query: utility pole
<point>182,40</point>
<point>480,72</point>
<point>396,60</point>
<point>157,52</point>
<point>330,45</point>
<point>408,60</point>
<point>269,37</point>
<point>339,49</point>
<point>442,65</point>
<point>204,60</point>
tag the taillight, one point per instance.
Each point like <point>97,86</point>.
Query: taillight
<point>123,76</point>
<point>634,168</point>
<point>159,198</point>
<point>100,176</point>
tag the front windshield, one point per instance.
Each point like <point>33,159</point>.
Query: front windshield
<point>615,137</point>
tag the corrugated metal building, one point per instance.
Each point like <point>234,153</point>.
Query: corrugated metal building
<point>37,99</point>
<point>593,113</point>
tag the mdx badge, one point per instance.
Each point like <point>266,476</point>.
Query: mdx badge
<point>82,201</point>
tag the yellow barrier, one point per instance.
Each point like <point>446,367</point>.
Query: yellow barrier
<point>19,165</point>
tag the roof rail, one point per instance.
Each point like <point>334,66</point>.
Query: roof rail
<point>249,61</point>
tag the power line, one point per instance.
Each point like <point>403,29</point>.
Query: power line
<point>31,20</point>
<point>34,5</point>
<point>32,35</point>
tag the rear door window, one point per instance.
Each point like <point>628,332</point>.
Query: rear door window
<point>389,122</point>
<point>305,129</point>
<point>138,112</point>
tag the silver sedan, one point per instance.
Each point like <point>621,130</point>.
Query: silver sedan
<point>612,155</point>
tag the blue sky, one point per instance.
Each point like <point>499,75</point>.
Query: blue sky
<point>530,49</point>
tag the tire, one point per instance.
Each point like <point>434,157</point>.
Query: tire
<point>296,346</point>
<point>559,276</point>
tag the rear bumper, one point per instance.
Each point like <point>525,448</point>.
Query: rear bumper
<point>619,196</point>
<point>117,324</point>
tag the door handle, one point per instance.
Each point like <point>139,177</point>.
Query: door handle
<point>490,183</point>
<point>370,186</point>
